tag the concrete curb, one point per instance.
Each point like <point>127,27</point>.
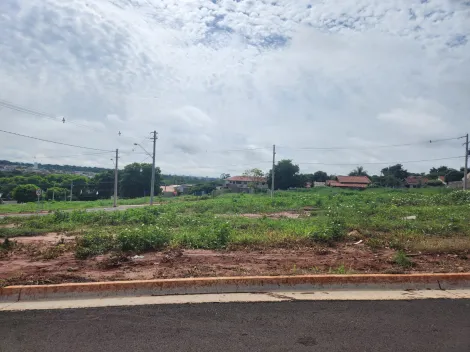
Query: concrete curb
<point>234,285</point>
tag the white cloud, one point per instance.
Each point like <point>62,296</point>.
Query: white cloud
<point>225,75</point>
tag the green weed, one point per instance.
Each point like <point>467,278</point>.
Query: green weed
<point>402,260</point>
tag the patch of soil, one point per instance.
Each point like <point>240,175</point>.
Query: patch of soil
<point>282,214</point>
<point>23,266</point>
<point>52,237</point>
<point>7,226</point>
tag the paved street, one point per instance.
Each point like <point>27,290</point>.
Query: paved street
<point>420,325</point>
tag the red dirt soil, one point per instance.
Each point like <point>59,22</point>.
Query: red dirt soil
<point>41,260</point>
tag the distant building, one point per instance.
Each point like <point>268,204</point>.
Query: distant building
<point>319,184</point>
<point>245,183</point>
<point>184,188</point>
<point>415,181</point>
<point>353,182</point>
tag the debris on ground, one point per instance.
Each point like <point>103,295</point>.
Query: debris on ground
<point>411,217</point>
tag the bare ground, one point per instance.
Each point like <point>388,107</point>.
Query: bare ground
<point>50,259</point>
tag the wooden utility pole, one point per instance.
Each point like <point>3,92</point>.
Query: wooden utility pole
<point>272,172</point>
<point>465,170</point>
<point>152,185</point>
<point>116,179</point>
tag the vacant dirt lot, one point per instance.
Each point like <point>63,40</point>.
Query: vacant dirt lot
<point>50,259</point>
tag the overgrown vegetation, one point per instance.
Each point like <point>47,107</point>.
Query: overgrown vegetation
<point>398,219</point>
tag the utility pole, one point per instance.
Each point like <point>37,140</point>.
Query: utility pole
<point>152,185</point>
<point>465,170</point>
<point>71,188</point>
<point>116,179</point>
<point>272,173</point>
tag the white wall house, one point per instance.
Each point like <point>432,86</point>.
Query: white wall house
<point>245,183</point>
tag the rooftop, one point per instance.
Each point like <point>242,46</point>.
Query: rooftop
<point>354,179</point>
<point>246,179</point>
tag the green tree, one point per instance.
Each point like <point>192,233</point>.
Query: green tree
<point>56,193</point>
<point>224,176</point>
<point>257,177</point>
<point>454,175</point>
<point>320,176</point>
<point>285,175</point>
<point>25,193</point>
<point>391,181</point>
<point>103,183</point>
<point>358,171</point>
<point>396,171</point>
<point>135,180</point>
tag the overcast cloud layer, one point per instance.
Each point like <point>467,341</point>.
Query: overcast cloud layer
<point>216,76</point>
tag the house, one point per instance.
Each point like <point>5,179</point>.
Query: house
<point>182,189</point>
<point>319,184</point>
<point>354,182</point>
<point>245,183</point>
<point>415,181</point>
<point>169,191</point>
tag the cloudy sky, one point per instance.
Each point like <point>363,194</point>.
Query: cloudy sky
<point>223,80</point>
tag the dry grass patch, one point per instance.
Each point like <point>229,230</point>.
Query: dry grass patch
<point>441,245</point>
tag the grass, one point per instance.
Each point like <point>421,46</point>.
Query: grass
<point>376,215</point>
<point>59,205</point>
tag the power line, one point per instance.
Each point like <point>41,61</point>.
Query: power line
<point>25,110</point>
<point>378,163</point>
<point>374,147</point>
<point>46,140</point>
<point>69,156</point>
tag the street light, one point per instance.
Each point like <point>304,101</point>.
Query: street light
<point>152,182</point>
<point>150,155</point>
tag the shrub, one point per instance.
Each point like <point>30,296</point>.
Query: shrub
<point>402,260</point>
<point>25,193</point>
<point>143,238</point>
<point>434,183</point>
<point>334,229</point>
<point>94,244</point>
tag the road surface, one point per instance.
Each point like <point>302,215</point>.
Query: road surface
<point>419,325</point>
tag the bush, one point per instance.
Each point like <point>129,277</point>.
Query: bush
<point>25,193</point>
<point>402,260</point>
<point>434,183</point>
<point>94,244</point>
<point>141,239</point>
<point>329,231</point>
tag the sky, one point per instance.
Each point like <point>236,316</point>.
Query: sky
<point>221,81</point>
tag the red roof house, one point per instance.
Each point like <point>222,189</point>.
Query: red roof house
<point>356,182</point>
<point>415,181</point>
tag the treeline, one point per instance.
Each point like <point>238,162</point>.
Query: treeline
<point>287,175</point>
<point>55,167</point>
<point>134,181</point>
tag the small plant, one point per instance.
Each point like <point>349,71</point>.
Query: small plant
<point>7,244</point>
<point>402,260</point>
<point>340,270</point>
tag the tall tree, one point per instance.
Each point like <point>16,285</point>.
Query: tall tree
<point>25,193</point>
<point>224,176</point>
<point>135,180</point>
<point>358,171</point>
<point>103,183</point>
<point>396,171</point>
<point>257,177</point>
<point>320,176</point>
<point>285,175</point>
<point>454,175</point>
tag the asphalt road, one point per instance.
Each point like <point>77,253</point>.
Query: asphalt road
<point>419,325</point>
